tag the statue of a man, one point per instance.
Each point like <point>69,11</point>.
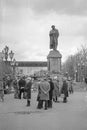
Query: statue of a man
<point>54,34</point>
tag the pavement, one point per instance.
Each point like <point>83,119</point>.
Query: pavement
<point>14,115</point>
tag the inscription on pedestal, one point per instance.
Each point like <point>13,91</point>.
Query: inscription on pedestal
<point>54,61</point>
<point>53,64</point>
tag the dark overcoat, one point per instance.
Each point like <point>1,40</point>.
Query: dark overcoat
<point>21,83</point>
<point>44,87</point>
<point>56,88</point>
<point>51,90</point>
<point>28,89</point>
<point>64,89</point>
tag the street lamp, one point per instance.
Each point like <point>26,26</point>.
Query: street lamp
<point>85,67</point>
<point>2,55</point>
<point>78,71</point>
<point>13,67</point>
<point>14,64</point>
<point>11,54</point>
<point>5,53</point>
<point>6,49</point>
<point>76,76</point>
<point>83,73</point>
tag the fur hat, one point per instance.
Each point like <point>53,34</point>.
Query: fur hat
<point>52,26</point>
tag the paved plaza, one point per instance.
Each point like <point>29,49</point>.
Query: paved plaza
<point>14,115</point>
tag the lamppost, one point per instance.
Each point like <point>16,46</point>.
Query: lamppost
<point>6,53</point>
<point>78,72</point>
<point>7,69</point>
<point>11,54</point>
<point>13,67</point>
<point>2,55</point>
<point>83,74</point>
<point>6,49</point>
<point>76,76</point>
<point>14,64</point>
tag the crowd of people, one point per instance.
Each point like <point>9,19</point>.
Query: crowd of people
<point>48,90</point>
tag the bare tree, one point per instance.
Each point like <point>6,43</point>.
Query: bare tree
<point>76,65</point>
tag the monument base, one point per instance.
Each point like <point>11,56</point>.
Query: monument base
<point>54,61</point>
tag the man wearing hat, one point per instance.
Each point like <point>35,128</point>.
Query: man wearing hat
<point>54,34</point>
<point>44,88</point>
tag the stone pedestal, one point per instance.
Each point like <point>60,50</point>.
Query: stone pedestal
<point>54,61</point>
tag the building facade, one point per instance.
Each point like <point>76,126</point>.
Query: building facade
<point>28,68</point>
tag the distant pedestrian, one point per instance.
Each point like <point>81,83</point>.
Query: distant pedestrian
<point>28,90</point>
<point>56,89</point>
<point>8,83</point>
<point>4,85</point>
<point>16,89</point>
<point>86,82</point>
<point>1,91</point>
<point>70,86</point>
<point>64,90</point>
<point>40,104</point>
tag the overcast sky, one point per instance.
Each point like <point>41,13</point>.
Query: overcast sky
<point>25,26</point>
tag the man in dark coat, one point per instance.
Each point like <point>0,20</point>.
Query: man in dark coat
<point>44,88</point>
<point>64,90</point>
<point>1,91</point>
<point>21,84</point>
<point>56,89</point>
<point>50,93</point>
<point>40,103</point>
<point>86,80</point>
<point>28,90</point>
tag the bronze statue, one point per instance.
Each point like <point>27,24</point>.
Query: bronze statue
<point>54,34</point>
